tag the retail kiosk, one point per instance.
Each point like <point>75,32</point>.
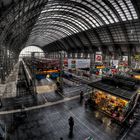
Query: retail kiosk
<point>113,96</point>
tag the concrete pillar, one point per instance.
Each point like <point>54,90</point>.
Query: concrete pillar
<point>129,55</point>
<point>73,55</point>
<point>2,73</point>
<point>61,69</point>
<point>78,55</point>
<point>86,55</point>
<point>92,60</point>
<point>92,64</point>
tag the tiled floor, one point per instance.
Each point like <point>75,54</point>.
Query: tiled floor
<point>51,123</point>
<point>52,96</point>
<point>73,91</point>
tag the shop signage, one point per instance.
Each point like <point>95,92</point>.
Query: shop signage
<point>98,57</point>
<point>65,62</point>
<point>137,57</point>
<point>71,63</point>
<point>114,63</point>
<point>100,67</point>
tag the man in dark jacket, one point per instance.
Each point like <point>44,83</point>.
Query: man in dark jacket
<point>71,124</point>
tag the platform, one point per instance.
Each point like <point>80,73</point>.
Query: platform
<point>9,89</point>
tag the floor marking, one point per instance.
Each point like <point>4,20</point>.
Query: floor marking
<point>45,98</point>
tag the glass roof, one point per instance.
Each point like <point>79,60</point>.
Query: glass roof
<point>61,18</point>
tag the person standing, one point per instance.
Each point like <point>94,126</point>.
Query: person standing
<point>81,96</point>
<point>71,124</point>
<point>86,102</point>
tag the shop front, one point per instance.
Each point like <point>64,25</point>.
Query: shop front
<point>113,99</point>
<point>109,104</point>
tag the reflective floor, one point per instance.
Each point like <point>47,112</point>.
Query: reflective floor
<point>51,123</point>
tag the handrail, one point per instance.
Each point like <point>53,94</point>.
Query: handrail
<point>123,137</point>
<point>136,101</point>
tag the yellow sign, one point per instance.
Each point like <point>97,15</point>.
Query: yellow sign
<point>100,67</point>
<point>137,76</point>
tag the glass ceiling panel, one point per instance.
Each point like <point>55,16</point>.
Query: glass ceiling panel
<point>75,10</point>
<point>63,18</point>
<point>77,13</point>
<point>76,22</point>
<point>122,9</point>
<point>61,30</point>
<point>101,11</point>
<point>55,23</point>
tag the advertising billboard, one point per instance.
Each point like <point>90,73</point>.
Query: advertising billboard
<point>78,63</point>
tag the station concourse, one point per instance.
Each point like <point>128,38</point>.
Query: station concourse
<point>62,59</point>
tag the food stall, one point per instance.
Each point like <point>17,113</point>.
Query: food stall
<point>112,99</point>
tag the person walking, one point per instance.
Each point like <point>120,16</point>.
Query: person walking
<point>81,96</point>
<point>71,124</point>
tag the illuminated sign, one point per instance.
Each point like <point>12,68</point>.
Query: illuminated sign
<point>50,71</point>
<point>100,67</point>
